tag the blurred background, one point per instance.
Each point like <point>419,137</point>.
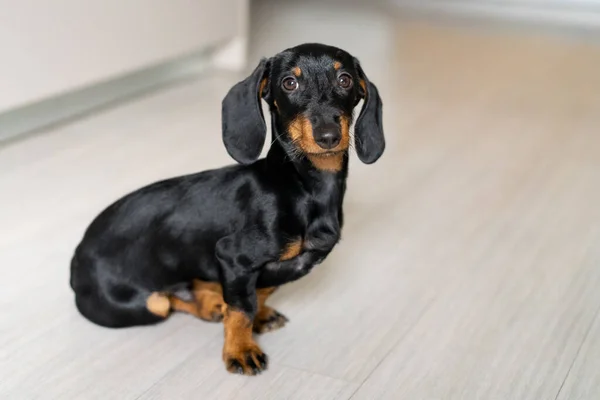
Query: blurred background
<point>470,260</point>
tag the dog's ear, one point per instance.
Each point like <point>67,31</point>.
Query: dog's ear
<point>368,130</point>
<point>243,123</point>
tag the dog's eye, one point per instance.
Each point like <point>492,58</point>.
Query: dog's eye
<point>290,84</point>
<point>345,80</point>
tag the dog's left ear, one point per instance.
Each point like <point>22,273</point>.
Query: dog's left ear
<point>243,123</point>
<point>368,130</point>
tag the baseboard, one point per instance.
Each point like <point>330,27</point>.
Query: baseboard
<point>63,108</point>
<point>582,14</point>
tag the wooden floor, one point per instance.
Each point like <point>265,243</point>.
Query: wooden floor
<point>470,263</point>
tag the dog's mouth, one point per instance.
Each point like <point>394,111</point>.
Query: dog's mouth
<point>327,153</point>
<point>328,160</point>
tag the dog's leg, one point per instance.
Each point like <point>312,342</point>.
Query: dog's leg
<point>282,272</point>
<point>267,319</point>
<point>240,256</point>
<point>209,306</point>
<point>209,300</point>
<point>320,240</point>
<point>241,354</point>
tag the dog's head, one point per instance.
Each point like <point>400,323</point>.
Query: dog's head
<point>312,90</point>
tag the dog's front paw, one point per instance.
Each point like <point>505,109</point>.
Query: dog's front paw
<point>246,360</point>
<point>269,320</point>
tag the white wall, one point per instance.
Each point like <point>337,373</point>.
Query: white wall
<point>51,47</point>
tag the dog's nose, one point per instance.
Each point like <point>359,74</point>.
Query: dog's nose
<point>328,139</point>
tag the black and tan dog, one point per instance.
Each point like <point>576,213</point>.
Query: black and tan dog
<point>235,234</point>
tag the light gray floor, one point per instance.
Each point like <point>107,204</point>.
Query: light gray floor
<point>470,265</point>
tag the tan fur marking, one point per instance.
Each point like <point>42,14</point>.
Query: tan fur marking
<point>337,65</point>
<point>197,284</point>
<point>296,71</point>
<point>210,305</point>
<point>239,345</point>
<point>291,250</point>
<point>261,88</point>
<point>301,132</point>
<point>363,84</point>
<point>189,307</point>
<point>238,332</point>
<point>158,304</point>
<point>296,130</point>
<point>207,304</point>
<point>345,130</point>
<point>331,163</point>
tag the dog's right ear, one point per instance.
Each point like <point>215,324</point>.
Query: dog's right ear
<point>243,123</point>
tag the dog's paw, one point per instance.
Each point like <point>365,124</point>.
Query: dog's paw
<point>269,320</point>
<point>210,305</point>
<point>249,360</point>
<point>212,313</point>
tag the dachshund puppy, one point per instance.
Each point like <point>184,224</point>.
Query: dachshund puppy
<point>235,234</point>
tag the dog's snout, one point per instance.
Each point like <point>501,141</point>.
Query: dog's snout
<point>328,136</point>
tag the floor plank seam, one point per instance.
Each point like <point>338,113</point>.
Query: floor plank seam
<point>589,329</point>
<point>400,339</point>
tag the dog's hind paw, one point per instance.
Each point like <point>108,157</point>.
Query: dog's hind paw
<point>269,320</point>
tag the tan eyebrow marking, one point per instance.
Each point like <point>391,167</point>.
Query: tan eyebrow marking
<point>297,71</point>
<point>337,65</point>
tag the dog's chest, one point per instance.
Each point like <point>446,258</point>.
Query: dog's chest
<point>320,216</point>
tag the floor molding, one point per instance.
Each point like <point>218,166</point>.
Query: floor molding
<point>47,113</point>
<point>582,14</point>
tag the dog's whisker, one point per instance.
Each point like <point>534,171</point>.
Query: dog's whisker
<point>277,137</point>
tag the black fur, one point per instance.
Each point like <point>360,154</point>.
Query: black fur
<point>231,224</point>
